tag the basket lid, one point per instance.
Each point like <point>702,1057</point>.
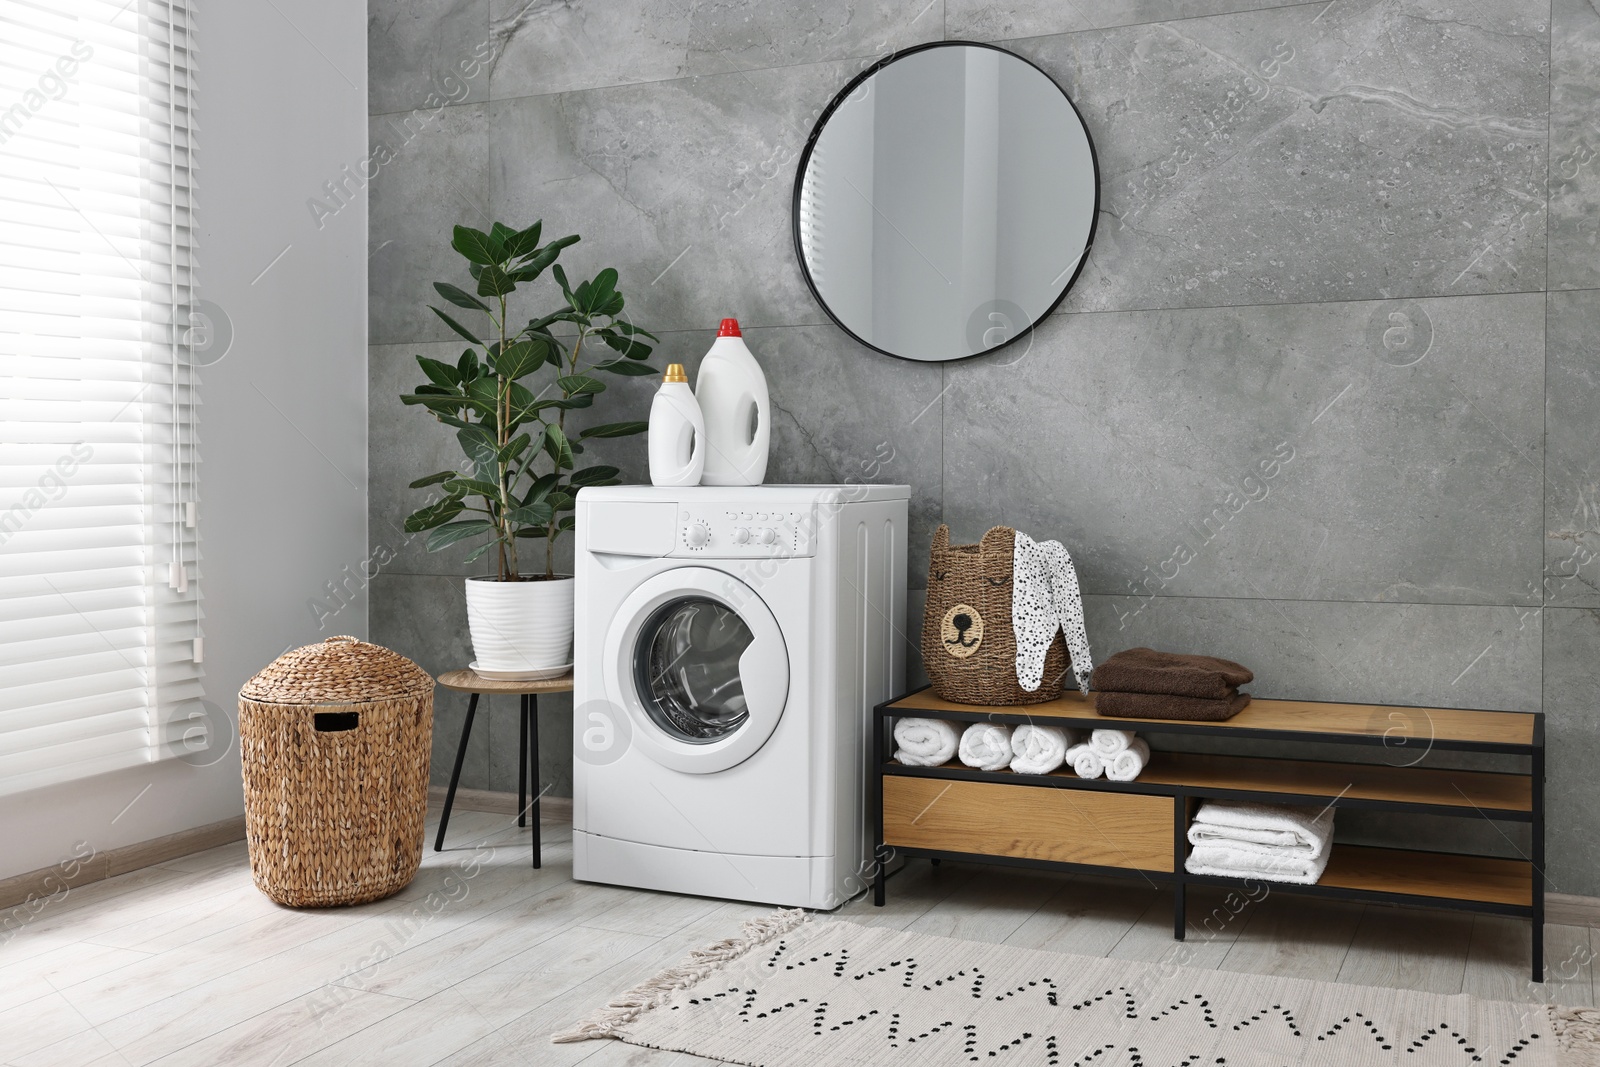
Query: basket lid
<point>340,670</point>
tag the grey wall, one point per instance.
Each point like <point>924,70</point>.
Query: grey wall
<point>1324,399</point>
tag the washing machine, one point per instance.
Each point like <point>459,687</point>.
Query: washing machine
<point>730,645</point>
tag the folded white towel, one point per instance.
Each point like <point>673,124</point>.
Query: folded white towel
<point>1085,761</point>
<point>1272,829</point>
<point>986,746</point>
<point>1109,742</point>
<point>925,742</point>
<point>1232,862</point>
<point>1039,749</point>
<point>1128,764</point>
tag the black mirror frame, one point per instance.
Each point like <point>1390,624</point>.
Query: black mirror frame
<point>822,122</point>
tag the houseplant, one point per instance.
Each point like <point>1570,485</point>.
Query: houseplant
<point>507,398</point>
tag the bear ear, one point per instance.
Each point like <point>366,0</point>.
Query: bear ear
<point>999,542</point>
<point>941,539</point>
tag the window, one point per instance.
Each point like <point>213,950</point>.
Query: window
<point>99,565</point>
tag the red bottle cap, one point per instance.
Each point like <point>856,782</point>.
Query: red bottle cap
<point>729,328</point>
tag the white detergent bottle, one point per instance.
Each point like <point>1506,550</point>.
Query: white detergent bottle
<point>732,393</point>
<point>677,433</point>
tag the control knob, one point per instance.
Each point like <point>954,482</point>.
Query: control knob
<point>696,535</point>
<point>741,536</point>
<point>769,536</point>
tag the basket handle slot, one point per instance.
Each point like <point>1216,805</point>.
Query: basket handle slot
<point>332,722</point>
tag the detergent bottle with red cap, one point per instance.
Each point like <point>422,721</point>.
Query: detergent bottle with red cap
<point>732,393</point>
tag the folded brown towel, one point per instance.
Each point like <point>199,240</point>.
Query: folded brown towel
<point>1166,706</point>
<point>1144,670</point>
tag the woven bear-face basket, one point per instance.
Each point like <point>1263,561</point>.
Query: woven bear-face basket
<point>969,649</point>
<point>334,739</point>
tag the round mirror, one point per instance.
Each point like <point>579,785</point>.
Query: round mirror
<point>945,202</point>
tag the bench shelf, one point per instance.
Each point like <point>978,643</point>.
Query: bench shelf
<point>1062,822</point>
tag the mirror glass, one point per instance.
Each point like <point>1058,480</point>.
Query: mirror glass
<point>945,202</point>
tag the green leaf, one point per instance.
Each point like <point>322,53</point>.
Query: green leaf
<point>561,280</point>
<point>547,255</point>
<point>542,486</point>
<point>495,282</point>
<point>433,479</point>
<point>610,307</point>
<point>479,552</point>
<point>556,446</point>
<point>442,406</point>
<point>625,368</point>
<point>460,298</point>
<point>520,359</point>
<point>626,345</point>
<point>500,232</point>
<point>568,523</point>
<point>614,429</point>
<point>475,486</point>
<point>571,403</point>
<point>467,365</point>
<point>531,514</point>
<point>561,501</point>
<point>479,445</point>
<point>580,384</point>
<point>539,325</point>
<point>445,536</point>
<point>598,475</point>
<point>514,448</point>
<point>629,328</point>
<point>478,246</point>
<point>524,243</point>
<point>436,514</point>
<point>454,325</point>
<point>439,373</point>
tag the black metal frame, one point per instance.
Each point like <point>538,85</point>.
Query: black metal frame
<point>1179,878</point>
<point>816,132</point>
<point>527,757</point>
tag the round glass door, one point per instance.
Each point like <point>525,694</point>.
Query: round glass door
<point>686,668</point>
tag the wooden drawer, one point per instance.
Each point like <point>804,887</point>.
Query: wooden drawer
<point>1029,822</point>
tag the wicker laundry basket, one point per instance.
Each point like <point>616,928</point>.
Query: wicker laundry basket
<point>335,739</point>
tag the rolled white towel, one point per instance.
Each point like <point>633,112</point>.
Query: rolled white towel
<point>986,746</point>
<point>1109,742</point>
<point>925,742</point>
<point>1270,829</point>
<point>1128,764</point>
<point>1230,861</point>
<point>1085,761</point>
<point>1039,749</point>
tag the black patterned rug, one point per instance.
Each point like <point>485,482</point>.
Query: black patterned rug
<point>791,991</point>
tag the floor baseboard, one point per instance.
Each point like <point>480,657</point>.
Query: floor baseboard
<point>67,875</point>
<point>1564,909</point>
<point>557,808</point>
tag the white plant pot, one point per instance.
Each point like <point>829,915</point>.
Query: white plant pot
<point>520,626</point>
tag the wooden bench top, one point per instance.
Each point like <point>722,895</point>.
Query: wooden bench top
<point>1394,725</point>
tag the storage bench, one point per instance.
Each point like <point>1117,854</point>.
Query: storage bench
<point>1063,822</point>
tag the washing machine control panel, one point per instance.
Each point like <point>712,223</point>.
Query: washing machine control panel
<point>741,531</point>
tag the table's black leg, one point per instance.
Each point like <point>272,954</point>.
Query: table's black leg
<point>1538,886</point>
<point>522,762</point>
<point>1180,853</point>
<point>531,714</point>
<point>455,775</point>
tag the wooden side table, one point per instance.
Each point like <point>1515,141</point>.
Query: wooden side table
<point>468,681</point>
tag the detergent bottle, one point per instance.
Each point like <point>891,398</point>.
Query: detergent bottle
<point>677,433</point>
<point>732,393</point>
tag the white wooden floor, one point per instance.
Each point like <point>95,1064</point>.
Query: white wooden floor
<point>481,958</point>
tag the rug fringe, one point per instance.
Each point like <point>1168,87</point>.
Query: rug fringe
<point>627,1007</point>
<point>1578,1035</point>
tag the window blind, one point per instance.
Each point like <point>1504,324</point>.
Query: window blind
<point>99,553</point>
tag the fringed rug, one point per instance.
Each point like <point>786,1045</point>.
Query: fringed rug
<point>793,992</point>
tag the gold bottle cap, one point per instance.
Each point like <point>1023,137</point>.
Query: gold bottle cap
<point>675,373</point>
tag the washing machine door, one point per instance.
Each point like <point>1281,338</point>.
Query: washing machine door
<point>698,662</point>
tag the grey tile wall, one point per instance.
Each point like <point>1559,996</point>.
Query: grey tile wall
<point>1324,399</point>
